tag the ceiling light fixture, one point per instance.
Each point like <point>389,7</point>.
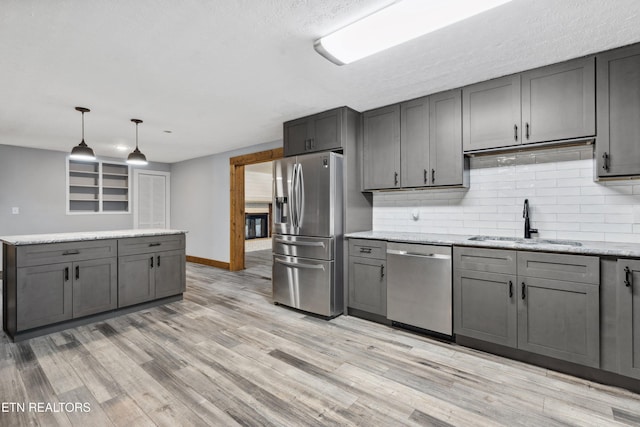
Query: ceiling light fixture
<point>397,23</point>
<point>82,151</point>
<point>136,157</point>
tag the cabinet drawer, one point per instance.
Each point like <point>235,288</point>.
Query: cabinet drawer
<point>572,268</point>
<point>368,248</point>
<point>487,260</point>
<point>149,244</point>
<point>52,253</point>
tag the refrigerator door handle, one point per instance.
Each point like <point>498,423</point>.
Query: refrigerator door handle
<point>297,243</point>
<point>300,196</point>
<point>299,264</point>
<point>292,196</point>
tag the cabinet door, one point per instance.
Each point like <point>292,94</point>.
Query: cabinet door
<point>95,286</point>
<point>559,319</point>
<point>491,114</point>
<point>484,306</point>
<point>381,148</point>
<point>326,131</point>
<point>559,102</point>
<point>170,274</point>
<point>368,285</point>
<point>618,144</point>
<point>136,279</point>
<point>414,142</point>
<point>43,295</point>
<point>445,140</point>
<point>296,136</point>
<point>629,317</point>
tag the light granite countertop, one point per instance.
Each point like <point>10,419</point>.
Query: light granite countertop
<point>35,239</point>
<point>612,249</point>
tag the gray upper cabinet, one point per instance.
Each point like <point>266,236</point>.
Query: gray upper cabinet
<point>628,321</point>
<point>445,140</point>
<point>558,102</point>
<point>618,144</point>
<point>414,142</point>
<point>491,114</point>
<point>381,148</point>
<point>546,104</point>
<point>319,132</point>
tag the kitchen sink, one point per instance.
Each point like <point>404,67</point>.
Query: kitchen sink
<point>525,241</point>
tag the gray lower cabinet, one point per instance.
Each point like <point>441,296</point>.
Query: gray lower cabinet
<point>617,147</point>
<point>559,319</point>
<point>43,295</point>
<point>95,286</point>
<point>368,276</point>
<point>628,321</point>
<point>170,273</point>
<point>52,293</point>
<point>485,306</point>
<point>381,148</point>
<point>148,276</point>
<point>510,298</point>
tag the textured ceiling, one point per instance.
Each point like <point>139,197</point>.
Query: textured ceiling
<point>225,74</point>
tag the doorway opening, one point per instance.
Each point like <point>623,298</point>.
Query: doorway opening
<point>238,218</point>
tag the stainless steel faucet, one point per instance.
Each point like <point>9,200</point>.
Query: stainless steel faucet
<point>527,225</point>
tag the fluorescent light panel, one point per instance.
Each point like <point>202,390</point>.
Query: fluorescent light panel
<point>397,23</point>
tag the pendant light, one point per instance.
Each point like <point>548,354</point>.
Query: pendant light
<point>82,151</point>
<point>136,157</point>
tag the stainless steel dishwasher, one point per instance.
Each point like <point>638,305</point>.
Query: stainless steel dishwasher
<point>419,286</point>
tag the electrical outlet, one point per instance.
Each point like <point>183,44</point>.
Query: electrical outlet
<point>15,210</point>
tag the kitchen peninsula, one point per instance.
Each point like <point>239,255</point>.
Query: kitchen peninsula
<point>57,281</point>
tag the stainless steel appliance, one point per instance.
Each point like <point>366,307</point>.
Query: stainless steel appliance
<point>307,233</point>
<point>419,288</point>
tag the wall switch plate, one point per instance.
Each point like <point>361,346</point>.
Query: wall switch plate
<point>15,210</point>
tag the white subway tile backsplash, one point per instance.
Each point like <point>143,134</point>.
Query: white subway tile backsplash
<point>565,201</point>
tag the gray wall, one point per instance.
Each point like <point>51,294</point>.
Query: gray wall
<point>200,201</point>
<point>34,180</point>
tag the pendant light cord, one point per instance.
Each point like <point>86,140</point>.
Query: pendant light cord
<point>136,136</point>
<point>82,126</point>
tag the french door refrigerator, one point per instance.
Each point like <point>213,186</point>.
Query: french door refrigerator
<point>307,233</point>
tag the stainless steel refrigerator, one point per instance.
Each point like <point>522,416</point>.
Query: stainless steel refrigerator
<point>308,232</point>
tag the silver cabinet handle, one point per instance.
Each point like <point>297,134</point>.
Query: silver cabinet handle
<point>415,254</point>
<point>299,264</point>
<point>295,243</point>
<point>515,132</point>
<point>73,252</point>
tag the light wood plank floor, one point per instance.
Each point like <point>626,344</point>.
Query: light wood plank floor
<point>226,355</point>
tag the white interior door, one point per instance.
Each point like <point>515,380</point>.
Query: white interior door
<point>151,203</point>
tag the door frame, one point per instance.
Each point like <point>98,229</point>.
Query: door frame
<point>167,194</point>
<point>236,217</point>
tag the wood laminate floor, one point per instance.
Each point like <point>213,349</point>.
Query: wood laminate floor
<point>226,355</point>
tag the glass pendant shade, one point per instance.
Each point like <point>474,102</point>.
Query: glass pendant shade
<point>136,157</point>
<point>82,151</point>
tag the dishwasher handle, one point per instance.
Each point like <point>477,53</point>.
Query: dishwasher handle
<point>417,255</point>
